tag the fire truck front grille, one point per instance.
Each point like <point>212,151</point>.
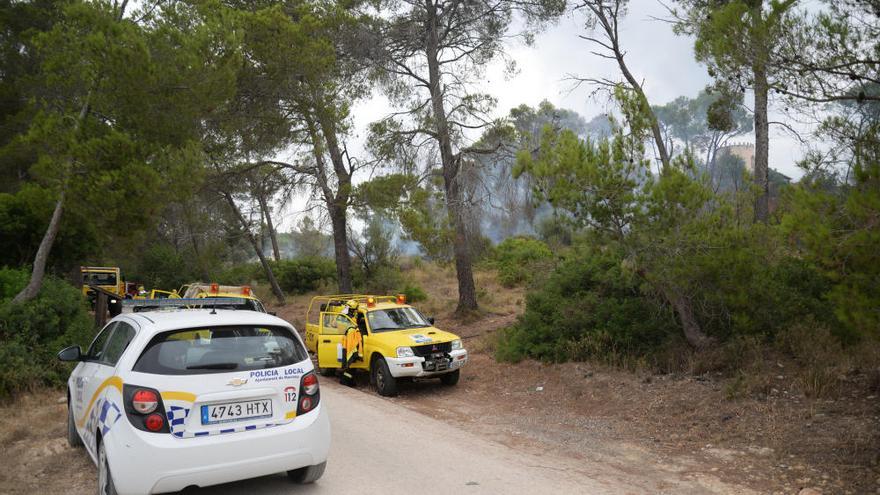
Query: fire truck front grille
<point>429,349</point>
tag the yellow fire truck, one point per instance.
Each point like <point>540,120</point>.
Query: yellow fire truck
<point>108,278</point>
<point>381,335</point>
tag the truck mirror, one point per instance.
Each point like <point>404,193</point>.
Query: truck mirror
<point>72,353</point>
<point>431,320</point>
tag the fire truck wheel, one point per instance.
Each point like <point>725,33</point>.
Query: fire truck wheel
<point>450,378</point>
<point>386,384</point>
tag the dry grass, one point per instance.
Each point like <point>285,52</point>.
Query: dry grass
<point>37,457</point>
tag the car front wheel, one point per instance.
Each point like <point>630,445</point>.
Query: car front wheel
<point>105,481</point>
<point>386,384</point>
<point>73,438</point>
<point>308,474</point>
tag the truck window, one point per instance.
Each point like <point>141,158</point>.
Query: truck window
<point>335,324</point>
<point>386,320</point>
<point>196,351</point>
<point>99,278</point>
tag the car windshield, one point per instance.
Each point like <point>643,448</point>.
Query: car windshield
<point>385,320</point>
<point>195,351</point>
<point>99,278</point>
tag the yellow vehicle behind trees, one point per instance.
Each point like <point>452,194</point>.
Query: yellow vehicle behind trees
<point>199,290</point>
<point>159,294</point>
<point>382,335</point>
<point>108,278</point>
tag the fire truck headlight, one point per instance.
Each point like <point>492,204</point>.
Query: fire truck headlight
<point>456,344</point>
<point>403,352</point>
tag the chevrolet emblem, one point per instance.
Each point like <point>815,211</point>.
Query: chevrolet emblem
<point>237,382</point>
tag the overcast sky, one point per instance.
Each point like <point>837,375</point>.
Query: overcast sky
<point>655,55</point>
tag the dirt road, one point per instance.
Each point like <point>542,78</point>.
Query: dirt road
<point>379,447</point>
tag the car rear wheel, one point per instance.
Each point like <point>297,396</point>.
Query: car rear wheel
<point>450,378</point>
<point>308,474</point>
<point>73,438</point>
<point>385,384</point>
<point>105,481</point>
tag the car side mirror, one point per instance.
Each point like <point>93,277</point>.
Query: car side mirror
<point>72,353</point>
<point>431,320</point>
<point>273,313</point>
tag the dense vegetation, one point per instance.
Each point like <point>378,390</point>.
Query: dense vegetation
<point>32,332</point>
<point>174,138</point>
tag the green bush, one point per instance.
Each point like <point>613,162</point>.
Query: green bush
<point>11,282</point>
<point>517,259</point>
<point>385,279</point>
<point>593,307</point>
<point>244,274</point>
<point>749,285</point>
<point>413,293</point>
<point>588,308</point>
<point>32,333</point>
<point>302,275</point>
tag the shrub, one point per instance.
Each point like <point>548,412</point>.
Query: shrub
<point>384,279</point>
<point>517,259</point>
<point>413,293</point>
<point>11,281</point>
<point>244,274</point>
<point>588,308</point>
<point>302,275</point>
<point>32,333</point>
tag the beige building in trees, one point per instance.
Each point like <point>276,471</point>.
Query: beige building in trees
<point>746,151</point>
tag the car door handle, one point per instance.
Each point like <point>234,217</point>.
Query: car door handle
<point>326,341</point>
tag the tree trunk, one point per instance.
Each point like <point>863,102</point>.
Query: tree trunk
<point>762,145</point>
<point>611,30</point>
<point>273,237</point>
<point>467,294</point>
<point>276,289</point>
<point>340,247</point>
<point>39,271</point>
<point>338,204</point>
<point>683,308</point>
<point>689,324</point>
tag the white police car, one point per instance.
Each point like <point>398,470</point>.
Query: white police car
<point>173,399</point>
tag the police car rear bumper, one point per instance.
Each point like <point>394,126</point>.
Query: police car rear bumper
<point>414,367</point>
<point>142,462</point>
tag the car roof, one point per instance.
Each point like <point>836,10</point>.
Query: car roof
<point>161,321</point>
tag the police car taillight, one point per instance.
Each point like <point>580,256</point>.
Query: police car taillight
<point>154,422</point>
<point>310,383</point>
<point>145,401</point>
<point>310,393</point>
<point>144,408</point>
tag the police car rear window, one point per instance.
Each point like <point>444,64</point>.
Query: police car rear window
<point>196,351</point>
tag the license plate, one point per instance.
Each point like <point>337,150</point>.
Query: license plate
<point>236,411</point>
